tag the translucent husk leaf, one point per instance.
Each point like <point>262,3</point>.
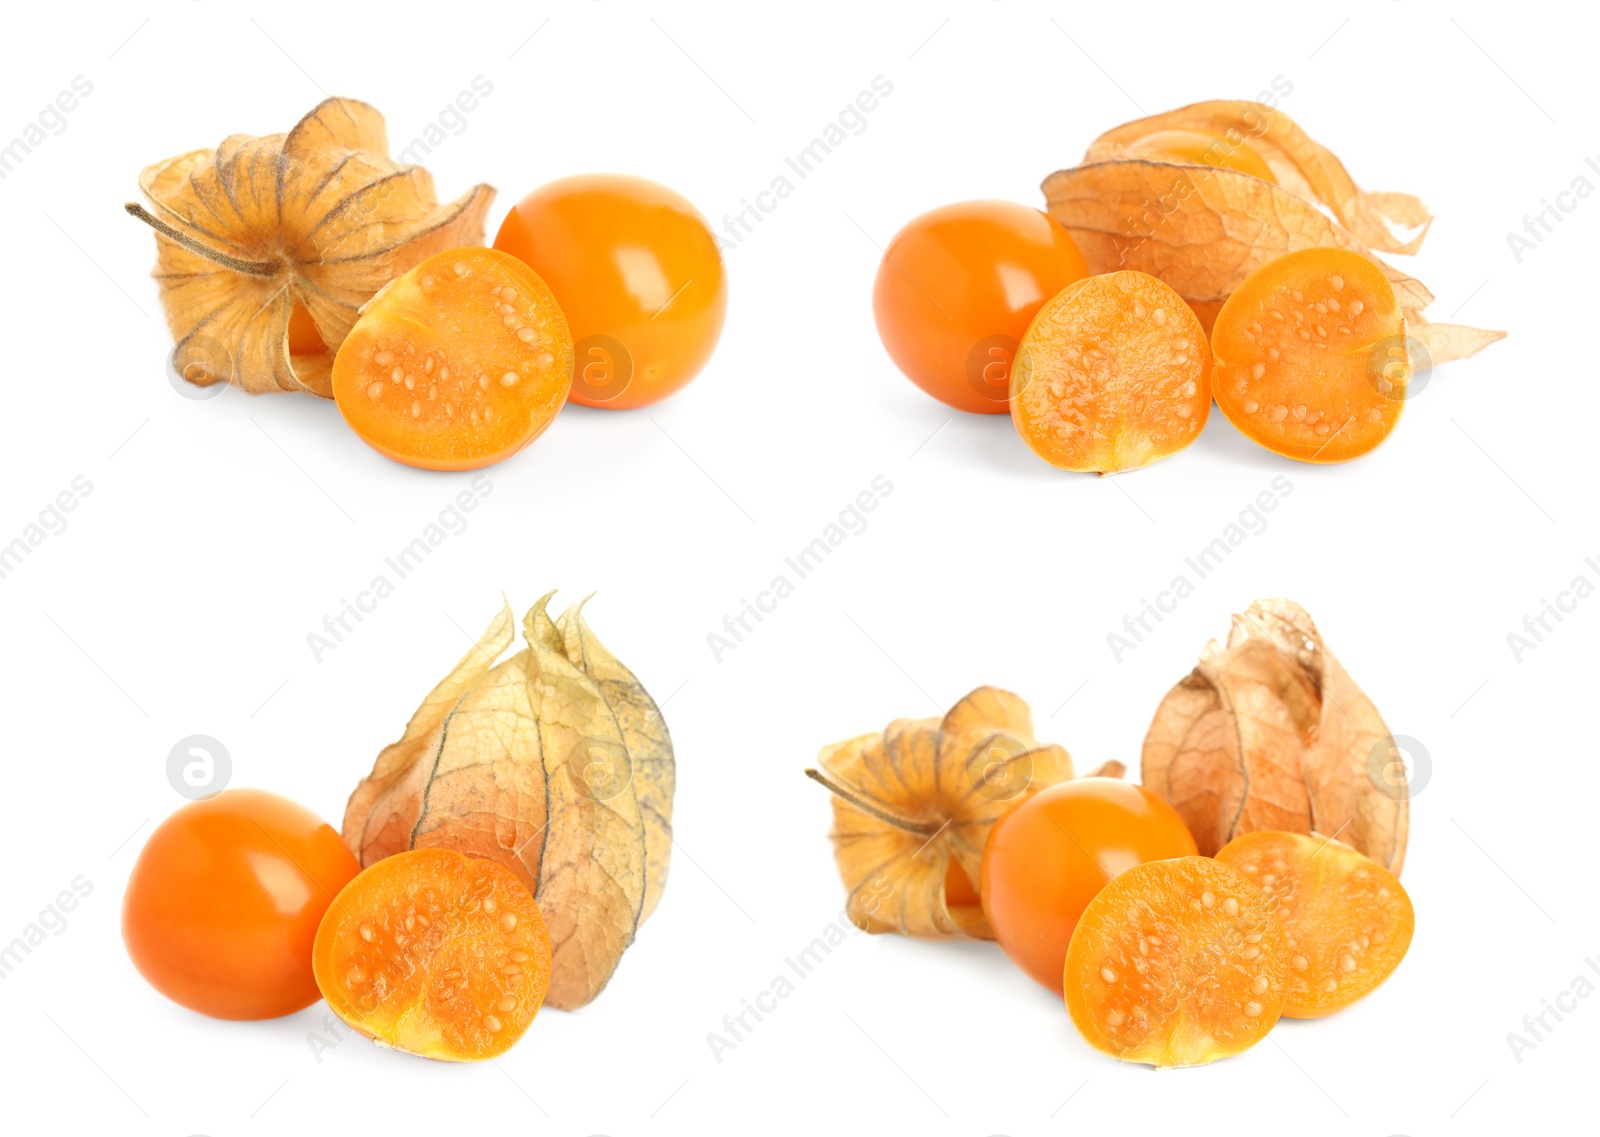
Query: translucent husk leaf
<point>523,762</point>
<point>321,216</point>
<point>592,868</point>
<point>382,813</point>
<point>1449,341</point>
<point>923,792</point>
<point>1270,732</point>
<point>1201,229</point>
<point>1302,166</point>
<point>644,732</point>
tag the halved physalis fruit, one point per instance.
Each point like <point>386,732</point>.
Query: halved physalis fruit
<point>1309,356</point>
<point>1176,963</point>
<point>1113,373</point>
<point>1346,919</point>
<point>436,953</point>
<point>457,364</point>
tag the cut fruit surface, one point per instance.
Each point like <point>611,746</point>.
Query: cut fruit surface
<point>1113,373</point>
<point>457,364</point>
<point>1176,963</point>
<point>1346,919</point>
<point>436,953</point>
<point>1309,356</point>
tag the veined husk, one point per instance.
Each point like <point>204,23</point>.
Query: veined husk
<point>1270,732</point>
<point>1203,228</point>
<point>321,215</point>
<point>925,792</point>
<point>554,762</point>
<point>1302,165</point>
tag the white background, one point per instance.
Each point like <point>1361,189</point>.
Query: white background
<point>219,533</point>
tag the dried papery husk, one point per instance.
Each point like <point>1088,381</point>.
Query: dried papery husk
<point>592,868</point>
<point>1302,166</point>
<point>925,792</point>
<point>523,761</point>
<point>1445,342</point>
<point>321,216</point>
<point>1200,229</point>
<point>1269,732</point>
<point>644,732</point>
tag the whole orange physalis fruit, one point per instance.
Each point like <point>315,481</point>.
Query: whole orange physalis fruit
<point>957,288</point>
<point>224,902</point>
<point>1048,856</point>
<point>638,273</point>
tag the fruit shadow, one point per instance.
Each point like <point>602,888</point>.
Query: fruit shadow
<point>1224,440</point>
<point>994,441</point>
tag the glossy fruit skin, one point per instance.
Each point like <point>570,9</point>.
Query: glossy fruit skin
<point>223,904</point>
<point>1048,856</point>
<point>634,266</point>
<point>956,290</point>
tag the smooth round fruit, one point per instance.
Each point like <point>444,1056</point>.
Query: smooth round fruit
<point>224,901</point>
<point>436,953</point>
<point>1048,856</point>
<point>956,289</point>
<point>456,364</point>
<point>638,273</point>
<point>1176,963</point>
